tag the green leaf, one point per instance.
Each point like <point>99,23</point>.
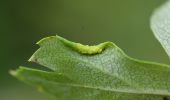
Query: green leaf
<point>160,24</point>
<point>102,72</point>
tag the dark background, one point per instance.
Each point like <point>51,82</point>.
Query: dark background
<point>24,22</point>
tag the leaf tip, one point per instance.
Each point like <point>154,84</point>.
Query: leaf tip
<point>13,72</point>
<point>45,39</point>
<point>17,73</point>
<point>32,59</point>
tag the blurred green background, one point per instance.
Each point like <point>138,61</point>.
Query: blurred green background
<point>24,22</point>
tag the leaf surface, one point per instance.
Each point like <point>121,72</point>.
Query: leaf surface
<point>102,72</point>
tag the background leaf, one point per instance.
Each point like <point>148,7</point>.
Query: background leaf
<point>160,23</point>
<point>106,75</point>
